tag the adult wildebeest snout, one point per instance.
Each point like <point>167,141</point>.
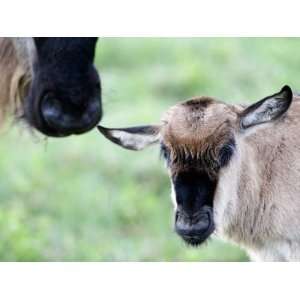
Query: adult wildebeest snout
<point>65,94</point>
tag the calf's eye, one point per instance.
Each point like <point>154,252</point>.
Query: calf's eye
<point>165,153</point>
<point>226,153</point>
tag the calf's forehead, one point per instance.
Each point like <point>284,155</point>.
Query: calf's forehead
<point>195,120</point>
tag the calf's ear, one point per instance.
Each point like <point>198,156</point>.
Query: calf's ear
<point>267,109</point>
<point>132,138</point>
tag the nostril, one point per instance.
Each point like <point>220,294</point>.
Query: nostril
<point>64,117</point>
<point>190,218</point>
<point>182,224</point>
<point>51,108</point>
<point>192,225</point>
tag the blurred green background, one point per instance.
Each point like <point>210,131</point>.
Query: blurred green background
<point>83,198</point>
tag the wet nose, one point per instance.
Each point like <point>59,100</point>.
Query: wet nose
<point>67,118</point>
<point>196,226</point>
<point>191,226</point>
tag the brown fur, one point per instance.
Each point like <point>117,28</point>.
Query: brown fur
<point>268,193</point>
<point>197,129</point>
<point>15,77</point>
<point>256,202</point>
<point>265,208</point>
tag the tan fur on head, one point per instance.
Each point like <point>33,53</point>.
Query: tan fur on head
<point>197,129</point>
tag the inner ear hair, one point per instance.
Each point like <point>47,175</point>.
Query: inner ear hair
<point>267,109</point>
<point>132,138</point>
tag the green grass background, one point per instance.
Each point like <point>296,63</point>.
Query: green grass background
<point>83,198</point>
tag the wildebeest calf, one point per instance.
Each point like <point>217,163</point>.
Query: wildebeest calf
<point>235,171</point>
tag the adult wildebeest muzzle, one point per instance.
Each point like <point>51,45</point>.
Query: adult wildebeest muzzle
<point>64,96</point>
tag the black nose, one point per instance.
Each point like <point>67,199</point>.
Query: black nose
<point>196,228</point>
<point>67,118</point>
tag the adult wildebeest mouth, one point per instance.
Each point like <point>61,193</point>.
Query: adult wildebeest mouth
<point>63,93</point>
<point>87,123</point>
<point>53,121</point>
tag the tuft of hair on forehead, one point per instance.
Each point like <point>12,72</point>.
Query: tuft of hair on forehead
<point>199,102</point>
<point>196,119</point>
<point>198,154</point>
<point>195,130</point>
<point>196,112</point>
